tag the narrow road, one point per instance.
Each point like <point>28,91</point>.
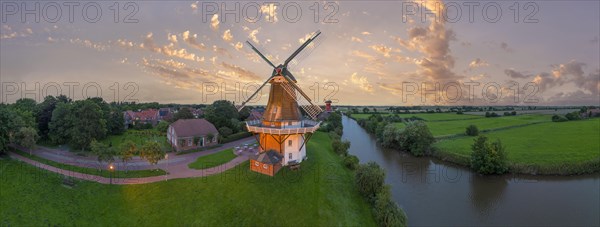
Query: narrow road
<point>177,166</point>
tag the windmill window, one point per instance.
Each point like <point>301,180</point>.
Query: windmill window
<point>275,110</point>
<point>289,144</point>
<point>290,156</point>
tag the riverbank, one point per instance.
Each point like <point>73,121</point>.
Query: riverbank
<point>427,187</point>
<point>534,144</point>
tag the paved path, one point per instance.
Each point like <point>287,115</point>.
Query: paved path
<point>178,171</point>
<point>176,167</point>
<point>70,158</point>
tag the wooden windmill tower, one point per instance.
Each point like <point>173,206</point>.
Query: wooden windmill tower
<point>283,132</point>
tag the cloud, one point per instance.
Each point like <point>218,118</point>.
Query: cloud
<point>221,51</point>
<point>365,33</point>
<point>270,12</point>
<point>172,38</point>
<point>169,50</point>
<point>476,63</point>
<point>238,46</point>
<point>194,6</point>
<point>227,35</point>
<point>239,73</point>
<point>214,22</point>
<point>516,75</point>
<point>382,49</point>
<point>89,44</point>
<point>355,39</point>
<point>434,43</point>
<point>191,39</point>
<point>362,82</point>
<point>252,35</point>
<point>177,74</point>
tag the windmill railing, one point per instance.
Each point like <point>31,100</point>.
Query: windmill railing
<point>308,126</point>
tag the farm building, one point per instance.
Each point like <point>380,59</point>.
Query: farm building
<point>186,134</point>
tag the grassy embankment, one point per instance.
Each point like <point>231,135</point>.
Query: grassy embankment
<point>321,193</point>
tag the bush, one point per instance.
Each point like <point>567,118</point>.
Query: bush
<point>573,116</point>
<point>225,131</point>
<point>351,162</point>
<point>236,136</point>
<point>488,158</point>
<point>416,138</point>
<point>340,147</point>
<point>472,130</point>
<point>369,179</point>
<point>507,114</point>
<point>557,118</point>
<point>386,211</point>
<point>491,114</point>
<point>514,113</point>
<point>459,112</point>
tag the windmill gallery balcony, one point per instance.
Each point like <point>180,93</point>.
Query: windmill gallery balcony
<point>304,126</point>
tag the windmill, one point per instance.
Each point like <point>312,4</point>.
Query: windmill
<point>282,132</point>
<point>290,87</point>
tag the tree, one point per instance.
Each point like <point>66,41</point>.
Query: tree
<point>220,113</point>
<point>162,126</point>
<point>210,137</point>
<point>152,152</point>
<point>6,125</point>
<point>387,212</point>
<point>351,162</point>
<point>26,104</point>
<point>89,124</point>
<point>27,137</point>
<point>59,128</point>
<point>44,115</point>
<point>488,158</point>
<point>416,138</point>
<point>116,123</point>
<point>369,179</point>
<point>472,130</point>
<point>102,151</point>
<point>183,113</point>
<point>573,116</point>
<point>225,131</point>
<point>127,150</point>
<point>365,110</point>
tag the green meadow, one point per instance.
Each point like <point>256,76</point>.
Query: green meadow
<point>545,144</point>
<point>212,160</point>
<point>321,193</point>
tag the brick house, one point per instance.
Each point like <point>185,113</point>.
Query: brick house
<point>149,116</point>
<point>186,134</point>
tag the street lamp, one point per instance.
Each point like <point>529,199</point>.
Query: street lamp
<point>111,168</point>
<point>167,174</point>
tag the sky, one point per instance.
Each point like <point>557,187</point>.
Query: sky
<point>369,52</point>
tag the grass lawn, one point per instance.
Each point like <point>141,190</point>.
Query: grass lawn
<point>443,128</point>
<point>321,193</point>
<point>94,171</point>
<point>213,160</point>
<point>427,116</point>
<point>545,144</point>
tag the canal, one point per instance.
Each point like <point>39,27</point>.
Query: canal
<point>437,193</point>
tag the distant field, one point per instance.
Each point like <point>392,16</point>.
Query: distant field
<point>427,116</point>
<point>443,128</point>
<point>548,143</point>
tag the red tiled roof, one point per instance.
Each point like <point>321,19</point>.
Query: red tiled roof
<point>148,114</point>
<point>193,127</point>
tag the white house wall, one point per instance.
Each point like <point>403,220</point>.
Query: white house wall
<point>297,154</point>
